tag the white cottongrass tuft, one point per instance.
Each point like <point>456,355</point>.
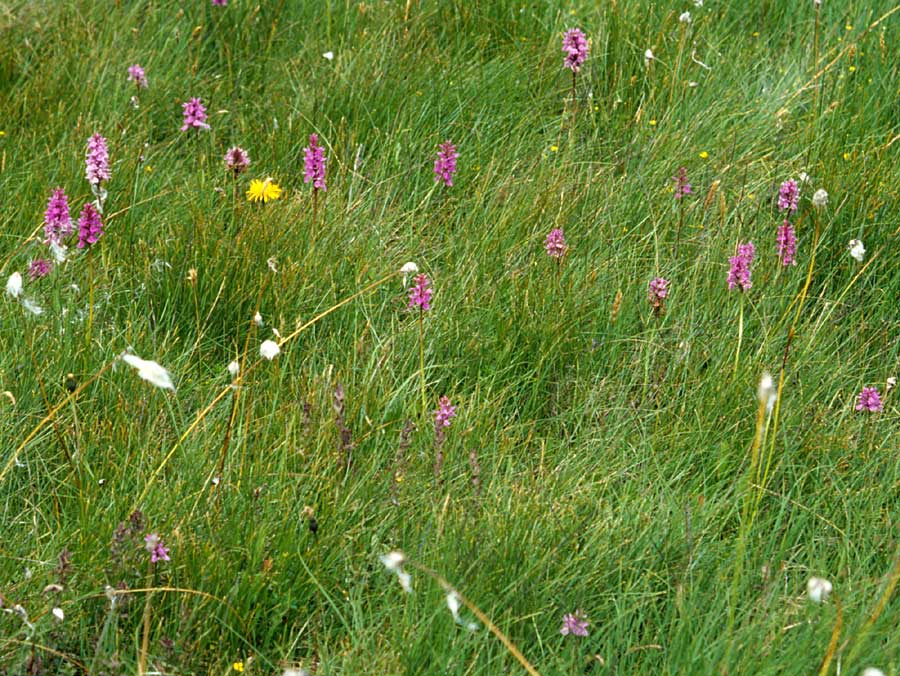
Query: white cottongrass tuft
<point>257,319</point>
<point>150,371</point>
<point>409,268</point>
<point>890,384</point>
<point>59,251</point>
<point>32,307</point>
<point>269,349</point>
<point>818,589</point>
<point>685,17</point>
<point>872,671</point>
<point>295,671</point>
<point>648,56</point>
<point>394,561</point>
<point>58,614</point>
<point>273,264</point>
<point>234,368</point>
<point>14,285</point>
<point>820,198</point>
<point>766,391</point>
<point>857,250</point>
<point>453,603</point>
<point>329,55</point>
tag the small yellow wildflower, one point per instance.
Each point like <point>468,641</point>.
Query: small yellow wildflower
<point>848,27</point>
<point>148,169</point>
<point>263,190</point>
<point>755,34</point>
<point>751,195</point>
<point>652,123</point>
<point>553,149</point>
<point>238,667</point>
<point>703,154</point>
<point>846,156</point>
<point>2,133</point>
<point>852,69</point>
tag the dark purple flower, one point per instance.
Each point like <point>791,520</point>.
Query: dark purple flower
<point>136,74</point>
<point>739,274</point>
<point>575,45</point>
<point>445,164</point>
<point>682,186</point>
<point>555,244</point>
<point>869,400</point>
<point>787,244</point>
<point>314,163</point>
<point>97,160</point>
<point>220,3</point>
<point>788,196</point>
<point>445,413</point>
<point>420,294</point>
<point>194,115</point>
<point>57,219</point>
<point>237,159</point>
<point>90,227</point>
<point>574,623</point>
<point>39,267</point>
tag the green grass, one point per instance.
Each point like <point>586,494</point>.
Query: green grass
<point>614,447</point>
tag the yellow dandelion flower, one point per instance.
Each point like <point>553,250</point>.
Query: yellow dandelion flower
<point>238,667</point>
<point>703,154</point>
<point>846,156</point>
<point>755,34</point>
<point>263,190</point>
<point>553,149</point>
<point>852,69</point>
<point>652,123</point>
<point>148,169</point>
<point>2,133</point>
<point>848,27</point>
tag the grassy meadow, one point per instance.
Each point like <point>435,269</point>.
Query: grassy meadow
<point>612,453</point>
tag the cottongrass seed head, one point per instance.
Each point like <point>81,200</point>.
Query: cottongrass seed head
<point>857,250</point>
<point>818,589</point>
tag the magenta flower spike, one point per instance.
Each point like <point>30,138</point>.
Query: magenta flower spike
<point>657,293</point>
<point>682,186</point>
<point>575,624</point>
<point>555,244</point>
<point>739,274</point>
<point>237,160</point>
<point>444,414</point>
<point>90,227</point>
<point>39,267</point>
<point>220,3</point>
<point>788,196</point>
<point>194,115</point>
<point>57,219</point>
<point>420,294</point>
<point>575,46</point>
<point>314,163</point>
<point>137,75</point>
<point>445,164</point>
<point>96,160</point>
<point>153,544</point>
<point>787,244</point>
<point>869,400</point>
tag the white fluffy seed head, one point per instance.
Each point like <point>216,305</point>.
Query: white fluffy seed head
<point>393,561</point>
<point>857,250</point>
<point>820,198</point>
<point>818,589</point>
<point>269,349</point>
<point>14,285</point>
<point>150,371</point>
